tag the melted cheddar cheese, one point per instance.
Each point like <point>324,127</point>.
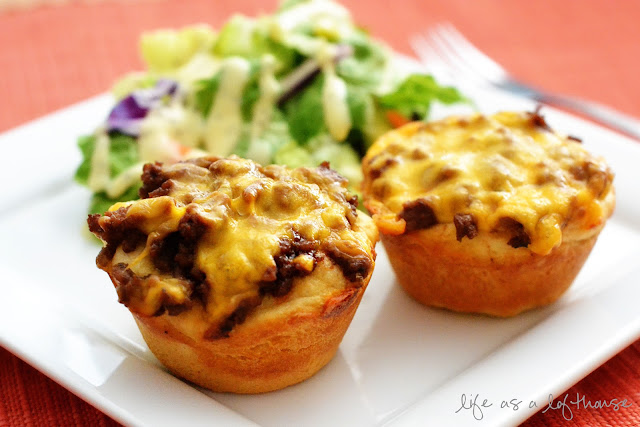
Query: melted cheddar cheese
<point>506,166</point>
<point>224,223</point>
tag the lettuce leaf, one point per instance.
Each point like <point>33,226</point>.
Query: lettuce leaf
<point>366,67</point>
<point>100,202</point>
<point>342,157</point>
<point>262,148</point>
<point>358,100</point>
<point>167,50</point>
<point>413,97</point>
<point>250,38</point>
<point>205,91</point>
<point>288,4</point>
<point>292,155</point>
<point>123,153</point>
<point>86,144</point>
<point>251,91</point>
<point>304,112</point>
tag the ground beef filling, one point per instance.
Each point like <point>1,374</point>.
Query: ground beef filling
<point>155,182</point>
<point>352,214</point>
<point>174,254</point>
<point>128,285</point>
<point>465,226</point>
<point>158,181</point>
<point>238,316</point>
<point>117,229</point>
<point>519,237</point>
<point>418,215</point>
<point>538,120</point>
<point>278,281</point>
<point>130,288</point>
<point>376,172</point>
<point>353,260</point>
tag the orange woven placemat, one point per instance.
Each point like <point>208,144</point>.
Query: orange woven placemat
<point>52,56</point>
<point>55,55</point>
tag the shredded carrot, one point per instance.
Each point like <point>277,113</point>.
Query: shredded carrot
<point>183,149</point>
<point>396,119</point>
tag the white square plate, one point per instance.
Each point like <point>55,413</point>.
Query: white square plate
<point>400,363</point>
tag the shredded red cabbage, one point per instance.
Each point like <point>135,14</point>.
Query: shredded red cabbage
<point>126,116</point>
<point>300,77</point>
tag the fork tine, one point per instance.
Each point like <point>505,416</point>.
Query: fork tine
<point>470,54</point>
<point>460,58</point>
<point>421,46</point>
<point>430,58</point>
<point>457,64</point>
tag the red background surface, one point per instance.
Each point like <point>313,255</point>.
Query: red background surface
<point>52,56</point>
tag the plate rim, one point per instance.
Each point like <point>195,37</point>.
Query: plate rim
<point>630,332</point>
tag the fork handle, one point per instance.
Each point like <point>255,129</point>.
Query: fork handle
<point>600,113</point>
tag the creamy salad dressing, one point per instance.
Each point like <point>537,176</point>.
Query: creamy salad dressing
<point>200,66</point>
<point>334,104</point>
<point>334,95</point>
<point>224,123</point>
<point>292,45</point>
<point>269,92</point>
<point>222,129</point>
<point>303,43</point>
<point>117,186</point>
<point>157,142</point>
<point>326,18</point>
<point>165,125</point>
<point>99,175</point>
<point>311,12</point>
<point>161,128</point>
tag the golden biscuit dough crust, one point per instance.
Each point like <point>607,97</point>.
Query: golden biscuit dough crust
<point>260,356</point>
<point>481,273</point>
<point>168,255</point>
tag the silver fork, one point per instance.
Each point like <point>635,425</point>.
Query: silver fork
<point>446,49</point>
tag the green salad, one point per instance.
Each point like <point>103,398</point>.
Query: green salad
<point>298,87</point>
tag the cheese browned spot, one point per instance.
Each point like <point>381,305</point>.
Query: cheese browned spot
<point>478,172</point>
<point>226,234</point>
